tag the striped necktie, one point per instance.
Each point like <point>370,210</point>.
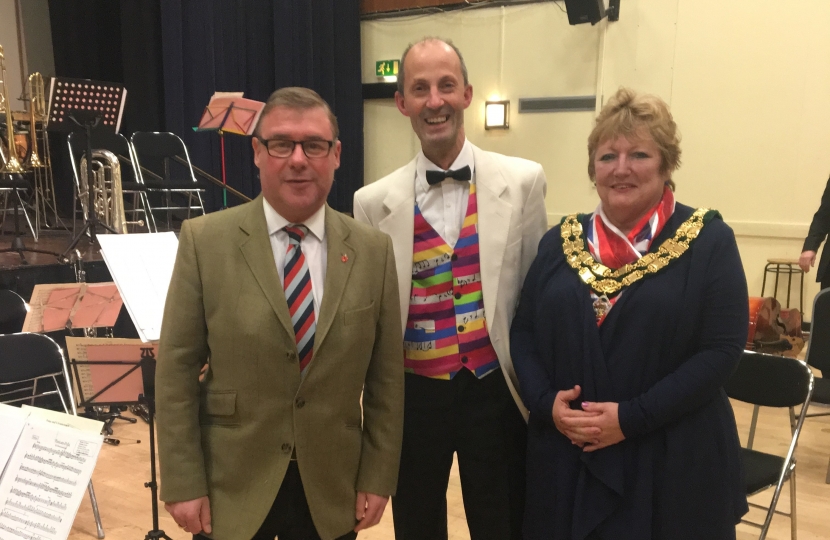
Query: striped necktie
<point>297,285</point>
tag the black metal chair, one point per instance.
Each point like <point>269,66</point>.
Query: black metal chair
<point>12,312</point>
<point>163,166</point>
<point>15,186</point>
<point>818,354</point>
<point>33,371</point>
<point>772,381</point>
<point>130,184</point>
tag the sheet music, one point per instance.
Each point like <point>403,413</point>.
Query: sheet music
<point>47,475</point>
<point>12,420</point>
<point>141,266</point>
<point>92,378</point>
<point>52,306</point>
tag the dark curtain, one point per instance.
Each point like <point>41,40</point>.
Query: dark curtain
<point>115,41</point>
<point>255,47</point>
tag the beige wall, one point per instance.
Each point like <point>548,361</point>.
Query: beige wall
<point>11,50</point>
<point>748,83</point>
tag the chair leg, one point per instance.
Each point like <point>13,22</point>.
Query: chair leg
<point>148,211</point>
<point>793,520</point>
<point>749,441</point>
<point>5,209</point>
<point>169,200</point>
<point>26,214</point>
<point>827,480</point>
<point>95,511</point>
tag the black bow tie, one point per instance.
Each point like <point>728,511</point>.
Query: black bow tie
<point>434,177</point>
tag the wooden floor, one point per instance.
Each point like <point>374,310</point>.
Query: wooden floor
<point>125,504</point>
<point>55,241</point>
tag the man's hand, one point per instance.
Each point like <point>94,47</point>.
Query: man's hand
<point>192,516</point>
<point>368,510</point>
<point>807,260</point>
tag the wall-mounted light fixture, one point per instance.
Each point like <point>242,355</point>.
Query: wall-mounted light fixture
<point>497,114</point>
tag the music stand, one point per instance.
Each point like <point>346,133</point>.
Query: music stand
<point>232,113</point>
<point>147,366</point>
<point>82,105</point>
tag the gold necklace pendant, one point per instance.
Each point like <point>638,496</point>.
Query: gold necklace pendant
<point>601,306</point>
<point>607,283</point>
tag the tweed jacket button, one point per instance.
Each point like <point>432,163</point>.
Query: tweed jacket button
<point>286,448</point>
<point>300,403</point>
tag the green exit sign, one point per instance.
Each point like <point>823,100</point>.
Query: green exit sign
<point>386,68</point>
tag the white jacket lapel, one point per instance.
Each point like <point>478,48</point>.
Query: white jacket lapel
<point>493,227</point>
<point>399,223</point>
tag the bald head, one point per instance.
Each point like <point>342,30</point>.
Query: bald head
<point>434,92</point>
<point>435,41</point>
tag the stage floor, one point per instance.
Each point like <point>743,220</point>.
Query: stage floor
<point>56,241</point>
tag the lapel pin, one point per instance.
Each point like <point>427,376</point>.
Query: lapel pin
<point>344,258</point>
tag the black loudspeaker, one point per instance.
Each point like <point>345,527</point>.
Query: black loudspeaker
<point>585,11</point>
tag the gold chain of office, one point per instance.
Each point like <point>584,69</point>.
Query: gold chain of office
<point>608,282</point>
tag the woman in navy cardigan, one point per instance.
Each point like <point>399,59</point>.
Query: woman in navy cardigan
<point>630,321</point>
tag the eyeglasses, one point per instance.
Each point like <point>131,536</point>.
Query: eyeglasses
<point>283,148</point>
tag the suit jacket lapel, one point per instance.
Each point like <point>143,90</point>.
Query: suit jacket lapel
<point>256,250</point>
<point>493,226</point>
<point>399,223</point>
<point>339,261</point>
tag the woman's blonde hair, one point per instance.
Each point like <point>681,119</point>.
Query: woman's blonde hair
<point>632,115</point>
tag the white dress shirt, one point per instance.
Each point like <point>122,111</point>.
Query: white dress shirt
<point>313,246</point>
<point>444,205</point>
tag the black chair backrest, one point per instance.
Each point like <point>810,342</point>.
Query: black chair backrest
<point>104,140</point>
<point>769,381</point>
<point>155,151</point>
<point>12,312</point>
<point>818,347</point>
<point>157,144</point>
<point>26,356</point>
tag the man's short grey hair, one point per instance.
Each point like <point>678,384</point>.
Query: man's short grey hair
<point>298,99</point>
<point>425,40</point>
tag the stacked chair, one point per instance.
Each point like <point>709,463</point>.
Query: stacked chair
<point>164,168</point>
<point>818,355</point>
<point>766,380</point>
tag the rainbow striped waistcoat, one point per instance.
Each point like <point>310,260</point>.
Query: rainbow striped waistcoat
<point>445,330</point>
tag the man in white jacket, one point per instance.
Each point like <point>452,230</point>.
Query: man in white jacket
<point>465,225</point>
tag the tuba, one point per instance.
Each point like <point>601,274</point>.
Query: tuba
<point>37,113</point>
<point>108,196</point>
<point>12,165</point>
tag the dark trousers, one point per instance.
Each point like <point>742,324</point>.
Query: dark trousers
<point>478,420</point>
<point>289,517</point>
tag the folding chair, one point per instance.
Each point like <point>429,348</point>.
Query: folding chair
<point>32,370</point>
<point>16,186</point>
<point>772,381</point>
<point>12,312</point>
<point>163,166</point>
<point>130,185</point>
<point>818,354</point>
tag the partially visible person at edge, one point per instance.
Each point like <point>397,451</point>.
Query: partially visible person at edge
<point>294,431</point>
<point>465,224</point>
<point>819,228</point>
<point>631,435</point>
